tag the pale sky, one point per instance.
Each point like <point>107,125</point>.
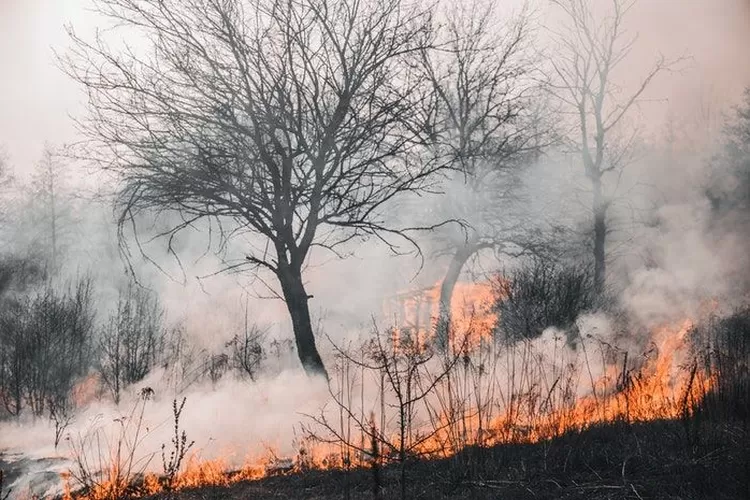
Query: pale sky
<point>36,98</point>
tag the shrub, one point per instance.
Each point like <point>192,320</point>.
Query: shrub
<point>723,345</point>
<point>541,294</point>
<point>132,342</point>
<point>45,347</point>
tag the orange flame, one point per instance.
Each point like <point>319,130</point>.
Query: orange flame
<point>471,313</point>
<point>538,405</point>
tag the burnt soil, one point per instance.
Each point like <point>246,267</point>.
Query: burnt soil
<point>658,460</point>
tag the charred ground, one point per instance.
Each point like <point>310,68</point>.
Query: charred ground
<point>690,459</point>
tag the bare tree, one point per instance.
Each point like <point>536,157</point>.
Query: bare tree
<point>590,51</point>
<point>486,129</point>
<point>45,340</point>
<point>46,190</point>
<point>729,183</point>
<point>7,180</point>
<point>133,340</point>
<point>294,122</point>
<point>400,363</point>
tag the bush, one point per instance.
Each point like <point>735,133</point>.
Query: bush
<point>133,340</point>
<point>45,342</point>
<point>246,351</point>
<point>541,294</point>
<point>723,346</point>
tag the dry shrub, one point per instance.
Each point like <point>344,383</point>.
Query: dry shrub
<point>108,460</point>
<point>540,294</point>
<point>723,346</point>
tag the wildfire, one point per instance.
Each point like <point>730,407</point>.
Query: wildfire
<point>85,391</point>
<point>471,313</point>
<point>659,389</point>
<point>497,394</point>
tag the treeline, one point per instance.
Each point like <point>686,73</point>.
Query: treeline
<point>44,340</point>
<point>58,350</point>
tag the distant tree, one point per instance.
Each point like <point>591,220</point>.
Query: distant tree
<point>729,187</point>
<point>6,174</point>
<point>487,129</point>
<point>50,204</point>
<point>295,122</point>
<point>133,340</point>
<point>589,51</point>
<point>6,183</point>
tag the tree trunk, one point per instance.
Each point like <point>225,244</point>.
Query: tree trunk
<point>600,235</point>
<point>446,291</point>
<point>296,299</point>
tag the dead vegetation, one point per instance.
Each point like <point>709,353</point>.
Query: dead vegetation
<point>444,427</point>
<point>616,461</point>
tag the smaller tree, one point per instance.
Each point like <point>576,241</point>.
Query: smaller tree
<point>15,356</point>
<point>487,127</point>
<point>406,371</point>
<point>45,346</point>
<point>8,202</point>
<point>6,177</point>
<point>590,52</point>
<point>51,205</point>
<point>729,185</point>
<point>60,328</point>
<point>132,341</point>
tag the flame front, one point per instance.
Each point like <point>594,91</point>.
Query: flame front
<point>526,392</point>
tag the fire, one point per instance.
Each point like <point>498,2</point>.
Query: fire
<point>199,472</point>
<point>86,390</point>
<point>471,313</point>
<point>660,388</point>
<point>529,392</point>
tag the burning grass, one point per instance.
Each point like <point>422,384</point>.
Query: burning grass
<point>654,459</point>
<point>399,406</point>
<point>397,399</point>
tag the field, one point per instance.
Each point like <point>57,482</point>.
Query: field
<point>658,460</point>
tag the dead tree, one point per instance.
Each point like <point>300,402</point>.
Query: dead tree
<point>400,363</point>
<point>487,128</point>
<point>293,122</point>
<point>7,180</point>
<point>49,204</point>
<point>590,50</point>
<point>132,342</point>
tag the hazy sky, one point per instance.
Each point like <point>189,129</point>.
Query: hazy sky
<point>35,98</point>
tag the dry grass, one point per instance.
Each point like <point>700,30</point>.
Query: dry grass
<point>496,422</point>
<point>654,460</point>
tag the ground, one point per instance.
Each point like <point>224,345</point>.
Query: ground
<point>677,460</point>
<point>36,474</point>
